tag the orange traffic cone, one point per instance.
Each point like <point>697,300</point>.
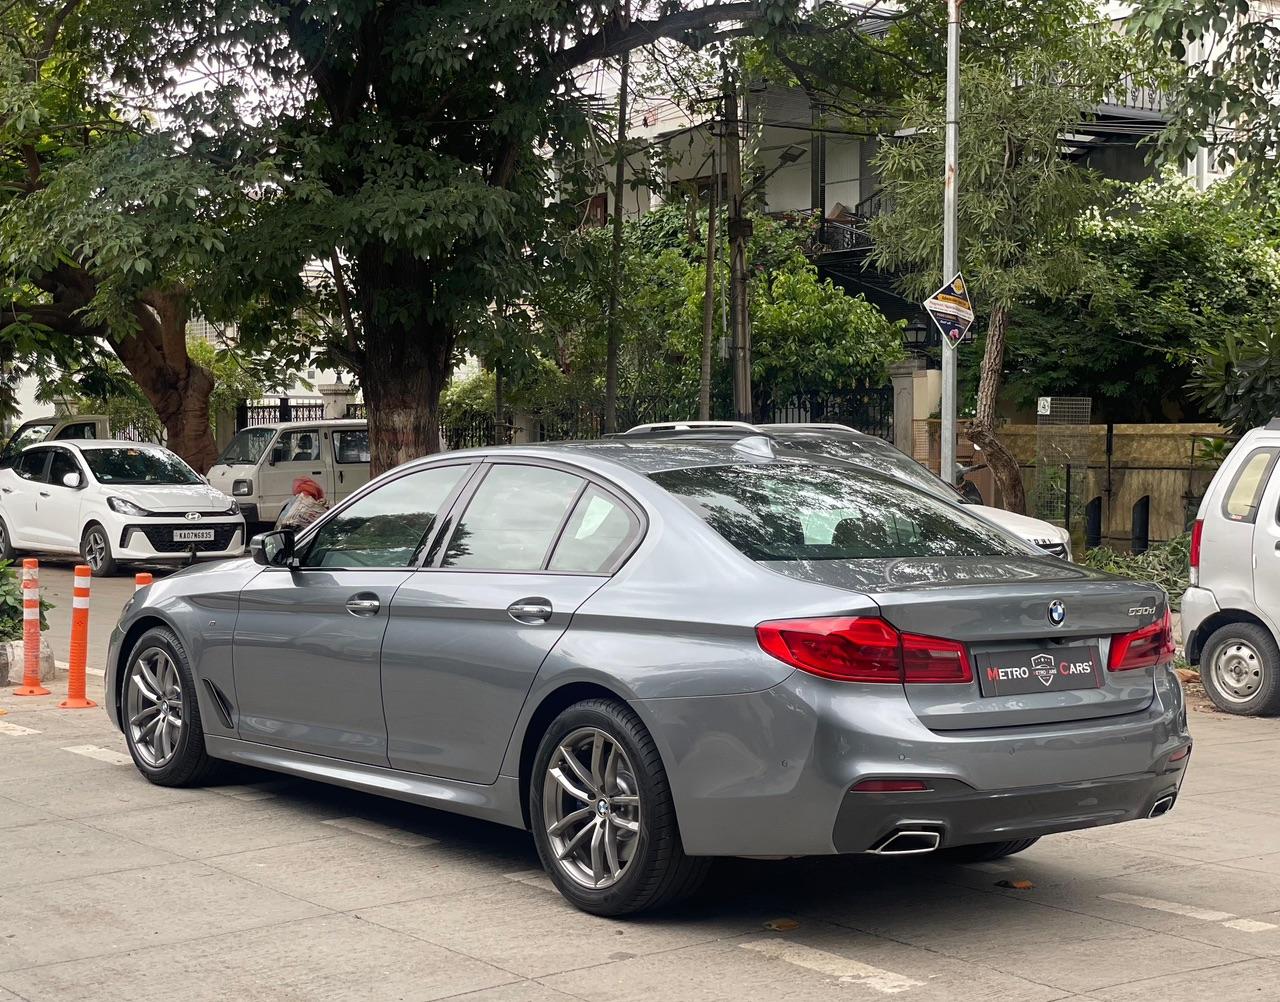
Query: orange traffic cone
<point>79,642</point>
<point>30,631</point>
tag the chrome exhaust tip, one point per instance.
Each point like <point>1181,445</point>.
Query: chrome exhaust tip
<point>907,842</point>
<point>1161,806</point>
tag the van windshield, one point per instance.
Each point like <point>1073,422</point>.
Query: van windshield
<point>247,447</point>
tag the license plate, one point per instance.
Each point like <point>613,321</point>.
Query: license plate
<point>1056,669</point>
<point>192,535</point>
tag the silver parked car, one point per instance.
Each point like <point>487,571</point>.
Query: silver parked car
<point>1231,612</point>
<point>655,653</point>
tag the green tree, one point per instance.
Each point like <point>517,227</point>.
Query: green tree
<point>1224,74</point>
<point>416,143</point>
<point>1020,200</point>
<point>112,233</point>
<point>1175,273</point>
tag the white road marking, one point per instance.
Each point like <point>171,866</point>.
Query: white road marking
<point>384,833</point>
<point>833,965</point>
<point>15,730</point>
<point>532,878</point>
<point>101,754</point>
<point>1172,907</point>
<point>1190,911</point>
<point>100,672</point>
<point>1249,925</point>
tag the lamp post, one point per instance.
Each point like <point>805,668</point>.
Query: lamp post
<point>950,248</point>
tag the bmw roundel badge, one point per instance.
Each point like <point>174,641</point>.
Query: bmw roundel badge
<point>1057,612</point>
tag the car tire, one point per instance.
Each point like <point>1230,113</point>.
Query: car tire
<point>6,544</point>
<point>628,837</point>
<point>982,852</point>
<point>95,550</point>
<point>1240,670</point>
<point>165,736</point>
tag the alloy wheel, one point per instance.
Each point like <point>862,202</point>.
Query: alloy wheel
<point>591,808</point>
<point>95,549</point>
<point>1237,671</point>
<point>153,706</point>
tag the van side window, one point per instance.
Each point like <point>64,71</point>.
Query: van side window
<point>351,445</point>
<point>1241,502</point>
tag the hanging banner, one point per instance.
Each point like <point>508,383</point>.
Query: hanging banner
<point>952,310</point>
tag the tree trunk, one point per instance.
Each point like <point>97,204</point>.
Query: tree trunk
<point>405,365</point>
<point>981,430</point>
<point>178,388</point>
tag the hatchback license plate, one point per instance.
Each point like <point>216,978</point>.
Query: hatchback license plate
<point>1014,673</point>
<point>192,535</point>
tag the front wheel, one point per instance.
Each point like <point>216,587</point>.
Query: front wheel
<point>1240,669</point>
<point>602,814</point>
<point>6,544</point>
<point>160,714</point>
<point>95,548</point>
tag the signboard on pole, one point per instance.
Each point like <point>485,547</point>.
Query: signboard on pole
<point>951,310</point>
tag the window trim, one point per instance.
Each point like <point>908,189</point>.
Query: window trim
<point>1263,483</point>
<point>591,478</point>
<point>429,541</point>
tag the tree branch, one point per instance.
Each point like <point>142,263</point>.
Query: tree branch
<point>614,38</point>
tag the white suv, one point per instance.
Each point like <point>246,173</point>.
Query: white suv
<point>112,502</point>
<point>1231,612</point>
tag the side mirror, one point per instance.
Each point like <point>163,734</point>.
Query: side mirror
<point>273,549</point>
<point>969,491</point>
<point>71,480</point>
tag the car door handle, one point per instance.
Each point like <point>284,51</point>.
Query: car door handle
<point>7,490</point>
<point>44,494</point>
<point>530,610</point>
<point>363,604</point>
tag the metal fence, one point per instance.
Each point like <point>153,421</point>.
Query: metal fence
<point>256,412</point>
<point>868,409</point>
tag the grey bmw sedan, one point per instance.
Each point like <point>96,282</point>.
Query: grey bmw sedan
<point>653,653</point>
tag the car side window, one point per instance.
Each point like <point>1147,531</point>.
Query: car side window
<point>297,446</point>
<point>386,527</point>
<point>1241,501</point>
<point>351,445</point>
<point>598,533</point>
<point>513,519</point>
<point>31,464</point>
<point>62,464</point>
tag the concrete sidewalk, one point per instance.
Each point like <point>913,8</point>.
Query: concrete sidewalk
<point>278,889</point>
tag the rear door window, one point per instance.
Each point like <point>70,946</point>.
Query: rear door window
<point>513,519</point>
<point>781,511</point>
<point>1245,491</point>
<point>598,534</point>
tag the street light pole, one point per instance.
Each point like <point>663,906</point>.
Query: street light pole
<point>950,249</point>
<point>739,227</point>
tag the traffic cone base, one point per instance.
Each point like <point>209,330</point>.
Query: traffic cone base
<point>77,704</point>
<point>31,690</point>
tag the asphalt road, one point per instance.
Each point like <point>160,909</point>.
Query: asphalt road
<point>279,889</point>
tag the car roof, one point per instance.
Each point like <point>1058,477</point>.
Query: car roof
<point>94,443</point>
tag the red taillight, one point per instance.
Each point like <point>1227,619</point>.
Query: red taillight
<point>892,786</point>
<point>1197,531</point>
<point>1142,648</point>
<point>863,649</point>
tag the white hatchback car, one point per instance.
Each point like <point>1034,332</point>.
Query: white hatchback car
<point>113,502</point>
<point>1231,612</point>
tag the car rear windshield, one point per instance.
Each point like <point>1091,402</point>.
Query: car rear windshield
<point>247,447</point>
<point>138,466</point>
<point>801,511</point>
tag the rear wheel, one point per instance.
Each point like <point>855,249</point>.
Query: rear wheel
<point>602,814</point>
<point>95,548</point>
<point>1240,669</point>
<point>982,852</point>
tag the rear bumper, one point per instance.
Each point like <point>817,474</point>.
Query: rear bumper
<point>1198,604</point>
<point>769,773</point>
<point>962,816</point>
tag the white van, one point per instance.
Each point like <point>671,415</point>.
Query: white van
<point>1231,612</point>
<point>258,466</point>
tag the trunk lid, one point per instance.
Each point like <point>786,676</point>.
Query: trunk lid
<point>999,607</point>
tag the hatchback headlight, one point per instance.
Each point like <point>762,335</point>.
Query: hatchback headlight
<point>242,488</point>
<point>126,507</point>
